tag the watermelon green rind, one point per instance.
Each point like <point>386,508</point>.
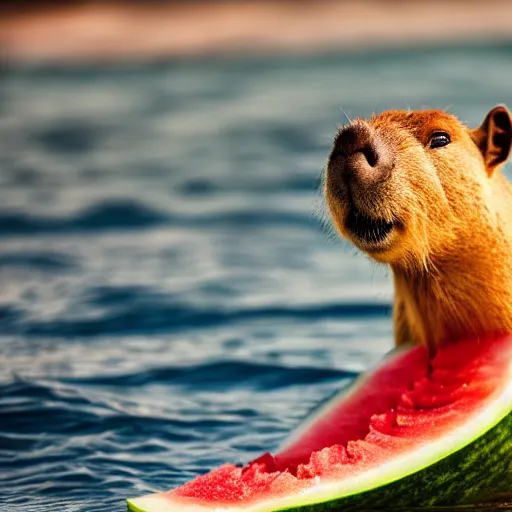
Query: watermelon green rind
<point>468,465</point>
<point>133,507</point>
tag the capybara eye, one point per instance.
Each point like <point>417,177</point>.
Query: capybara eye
<point>439,139</point>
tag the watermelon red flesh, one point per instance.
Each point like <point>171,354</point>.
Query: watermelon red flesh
<point>407,403</point>
<point>349,419</point>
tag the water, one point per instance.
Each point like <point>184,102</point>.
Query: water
<point>169,297</point>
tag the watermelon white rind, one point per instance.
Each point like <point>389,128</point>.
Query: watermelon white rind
<point>471,463</point>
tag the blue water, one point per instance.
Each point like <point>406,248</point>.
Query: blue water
<point>170,297</point>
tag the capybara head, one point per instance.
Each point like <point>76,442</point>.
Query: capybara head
<point>405,186</point>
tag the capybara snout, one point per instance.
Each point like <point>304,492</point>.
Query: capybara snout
<point>360,158</point>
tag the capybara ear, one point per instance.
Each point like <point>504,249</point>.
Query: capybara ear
<point>494,137</point>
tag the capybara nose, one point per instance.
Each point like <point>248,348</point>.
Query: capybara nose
<point>360,158</point>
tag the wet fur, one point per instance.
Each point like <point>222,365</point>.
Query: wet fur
<point>452,262</point>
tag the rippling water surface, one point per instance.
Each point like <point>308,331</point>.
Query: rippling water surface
<point>169,297</point>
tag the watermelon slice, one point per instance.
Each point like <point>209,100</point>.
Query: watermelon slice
<point>413,432</point>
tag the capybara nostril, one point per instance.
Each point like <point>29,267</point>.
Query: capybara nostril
<point>360,158</point>
<point>351,139</point>
<point>372,157</point>
<point>359,168</point>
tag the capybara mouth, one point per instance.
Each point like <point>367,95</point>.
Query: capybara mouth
<point>366,229</point>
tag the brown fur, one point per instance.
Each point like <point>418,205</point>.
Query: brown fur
<point>451,256</point>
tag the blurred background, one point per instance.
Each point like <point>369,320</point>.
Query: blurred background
<point>171,294</point>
